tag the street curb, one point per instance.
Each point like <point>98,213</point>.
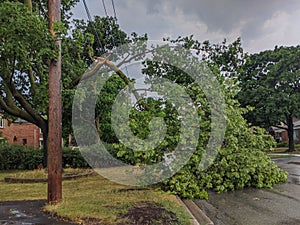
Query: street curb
<point>193,220</point>
<point>197,213</point>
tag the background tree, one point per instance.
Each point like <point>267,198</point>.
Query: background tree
<point>270,83</point>
<point>27,47</point>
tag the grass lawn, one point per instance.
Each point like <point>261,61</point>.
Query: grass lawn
<point>285,149</point>
<point>95,198</point>
<point>279,156</point>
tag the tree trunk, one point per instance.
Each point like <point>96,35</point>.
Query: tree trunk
<point>290,130</point>
<point>45,148</point>
<point>29,4</point>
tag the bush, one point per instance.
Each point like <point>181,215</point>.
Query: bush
<point>282,145</point>
<point>72,158</point>
<point>20,157</point>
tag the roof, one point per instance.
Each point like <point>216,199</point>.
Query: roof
<point>19,120</point>
<point>296,125</point>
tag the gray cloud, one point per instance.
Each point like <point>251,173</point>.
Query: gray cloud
<point>255,21</point>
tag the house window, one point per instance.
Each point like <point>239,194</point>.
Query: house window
<point>2,122</point>
<point>41,142</point>
<point>24,141</point>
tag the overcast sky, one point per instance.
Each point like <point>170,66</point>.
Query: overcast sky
<point>261,24</point>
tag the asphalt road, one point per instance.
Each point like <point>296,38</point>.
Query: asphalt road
<point>277,206</point>
<point>25,213</point>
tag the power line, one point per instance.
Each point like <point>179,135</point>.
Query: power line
<point>116,18</point>
<point>119,36</point>
<point>92,24</point>
<point>103,2</point>
<point>87,11</point>
<point>114,8</point>
<point>118,33</point>
<point>111,25</point>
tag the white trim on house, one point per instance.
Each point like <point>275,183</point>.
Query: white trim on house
<point>2,122</point>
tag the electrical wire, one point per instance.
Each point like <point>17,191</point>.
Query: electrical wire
<point>103,3</point>
<point>111,25</point>
<point>93,25</point>
<point>112,36</point>
<point>114,8</point>
<point>119,36</point>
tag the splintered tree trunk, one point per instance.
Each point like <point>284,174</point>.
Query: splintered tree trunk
<point>55,114</point>
<point>29,4</point>
<point>291,134</point>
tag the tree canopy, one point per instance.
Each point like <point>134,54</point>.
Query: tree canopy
<point>27,47</point>
<point>270,83</point>
<point>240,160</point>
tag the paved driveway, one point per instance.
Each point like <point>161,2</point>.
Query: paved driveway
<point>277,206</point>
<point>25,213</point>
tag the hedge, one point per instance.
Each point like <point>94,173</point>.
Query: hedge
<point>20,157</point>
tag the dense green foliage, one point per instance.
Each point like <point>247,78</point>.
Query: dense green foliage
<point>241,163</point>
<point>26,46</point>
<point>270,84</point>
<point>139,124</point>
<point>24,158</point>
<point>241,160</point>
<point>78,51</point>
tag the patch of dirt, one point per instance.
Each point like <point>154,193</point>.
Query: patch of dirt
<point>132,189</point>
<point>81,221</point>
<point>91,221</point>
<point>148,213</point>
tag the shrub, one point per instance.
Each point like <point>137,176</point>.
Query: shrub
<point>282,145</point>
<point>72,158</point>
<point>26,158</point>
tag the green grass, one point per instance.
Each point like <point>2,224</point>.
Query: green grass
<point>91,197</point>
<point>280,156</point>
<point>14,192</point>
<point>284,150</point>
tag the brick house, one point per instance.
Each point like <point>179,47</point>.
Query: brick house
<point>281,135</point>
<point>21,132</point>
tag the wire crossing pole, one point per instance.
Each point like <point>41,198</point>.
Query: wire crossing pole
<point>55,113</point>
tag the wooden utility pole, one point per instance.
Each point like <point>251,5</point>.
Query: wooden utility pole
<point>55,113</point>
